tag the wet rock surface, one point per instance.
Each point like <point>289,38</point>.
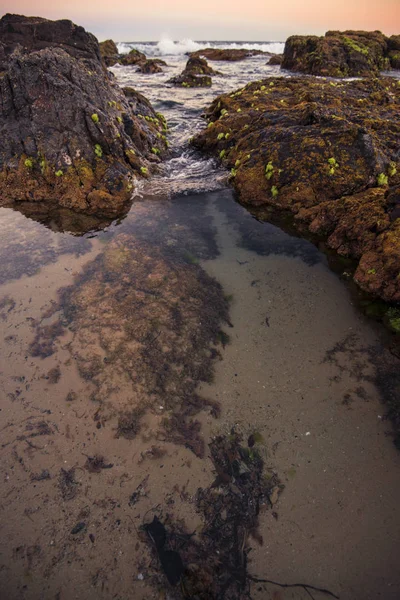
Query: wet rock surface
<point>109,52</point>
<point>151,66</point>
<point>340,54</point>
<point>276,59</point>
<point>69,135</point>
<point>197,73</point>
<point>325,152</point>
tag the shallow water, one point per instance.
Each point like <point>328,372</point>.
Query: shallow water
<point>115,335</point>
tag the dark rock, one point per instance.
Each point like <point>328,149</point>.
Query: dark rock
<point>197,73</point>
<point>190,80</point>
<point>34,33</point>
<point>134,57</point>
<point>338,54</point>
<point>394,57</point>
<point>69,135</point>
<point>109,52</point>
<point>394,43</point>
<point>151,66</point>
<point>199,66</point>
<point>326,152</point>
<point>78,528</point>
<point>276,59</point>
<point>230,54</point>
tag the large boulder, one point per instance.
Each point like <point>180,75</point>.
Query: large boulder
<point>327,153</point>
<point>337,54</point>
<point>69,134</point>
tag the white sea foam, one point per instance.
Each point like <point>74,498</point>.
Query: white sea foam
<point>168,47</point>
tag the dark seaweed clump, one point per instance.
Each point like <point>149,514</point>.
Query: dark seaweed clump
<point>214,564</point>
<point>145,325</point>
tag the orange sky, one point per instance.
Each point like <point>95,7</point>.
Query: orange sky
<point>215,19</point>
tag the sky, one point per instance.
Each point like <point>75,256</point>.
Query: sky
<point>258,20</point>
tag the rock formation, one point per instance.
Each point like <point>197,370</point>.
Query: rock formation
<point>197,73</point>
<point>70,136</point>
<point>341,54</point>
<point>328,153</point>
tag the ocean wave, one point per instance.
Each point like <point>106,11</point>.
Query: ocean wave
<point>168,47</point>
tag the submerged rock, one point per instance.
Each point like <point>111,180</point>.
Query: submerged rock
<point>328,153</point>
<point>230,54</point>
<point>69,135</point>
<point>338,54</point>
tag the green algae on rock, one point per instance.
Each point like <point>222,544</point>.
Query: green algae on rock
<point>68,131</point>
<point>339,54</point>
<point>315,148</point>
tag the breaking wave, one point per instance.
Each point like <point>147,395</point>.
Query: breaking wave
<point>168,47</point>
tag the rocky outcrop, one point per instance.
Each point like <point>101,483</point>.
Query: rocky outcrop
<point>197,73</point>
<point>199,66</point>
<point>109,52</point>
<point>338,54</point>
<point>326,152</point>
<point>70,136</point>
<point>230,54</point>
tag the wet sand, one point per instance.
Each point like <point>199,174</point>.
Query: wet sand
<point>302,368</point>
<point>306,378</point>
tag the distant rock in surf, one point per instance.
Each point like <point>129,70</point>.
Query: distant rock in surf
<point>229,54</point>
<point>342,54</point>
<point>197,73</point>
<point>152,65</point>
